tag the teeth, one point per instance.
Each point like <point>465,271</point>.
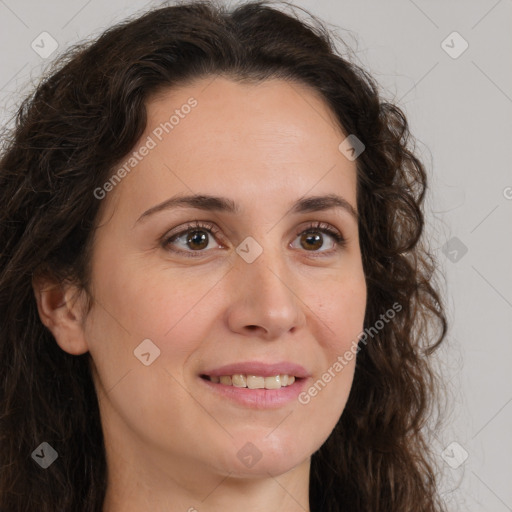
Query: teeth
<point>239,381</point>
<point>254,381</point>
<point>273,382</point>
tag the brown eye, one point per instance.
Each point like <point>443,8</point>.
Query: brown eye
<point>193,240</point>
<point>312,241</point>
<point>320,238</point>
<point>197,240</point>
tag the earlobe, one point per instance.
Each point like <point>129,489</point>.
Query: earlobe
<point>60,310</point>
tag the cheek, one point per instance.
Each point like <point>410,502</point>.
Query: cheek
<point>342,308</point>
<point>128,311</point>
<point>126,314</point>
<point>144,303</point>
<point>328,394</point>
<point>342,311</point>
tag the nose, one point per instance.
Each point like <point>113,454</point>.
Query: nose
<point>264,298</point>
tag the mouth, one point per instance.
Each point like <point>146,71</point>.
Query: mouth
<point>256,385</point>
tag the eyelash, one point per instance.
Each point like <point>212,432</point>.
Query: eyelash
<point>315,227</point>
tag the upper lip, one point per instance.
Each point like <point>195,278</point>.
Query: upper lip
<point>259,369</point>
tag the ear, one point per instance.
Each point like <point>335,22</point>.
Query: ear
<point>61,310</point>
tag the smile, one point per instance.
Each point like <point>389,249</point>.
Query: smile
<point>256,384</point>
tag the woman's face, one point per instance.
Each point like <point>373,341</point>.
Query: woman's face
<point>247,291</point>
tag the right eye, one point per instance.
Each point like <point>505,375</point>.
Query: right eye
<point>193,238</point>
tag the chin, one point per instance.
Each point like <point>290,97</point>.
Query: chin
<point>259,456</point>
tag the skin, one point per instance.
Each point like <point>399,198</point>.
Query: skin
<point>171,443</point>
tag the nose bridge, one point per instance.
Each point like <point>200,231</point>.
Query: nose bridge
<point>264,290</point>
<point>267,276</point>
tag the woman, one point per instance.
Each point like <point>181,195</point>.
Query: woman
<point>213,290</point>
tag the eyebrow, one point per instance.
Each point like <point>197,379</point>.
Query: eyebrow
<point>223,204</point>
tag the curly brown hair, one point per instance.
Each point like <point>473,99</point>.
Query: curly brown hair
<point>82,119</point>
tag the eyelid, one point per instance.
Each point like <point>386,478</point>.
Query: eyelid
<point>321,226</point>
<point>196,224</point>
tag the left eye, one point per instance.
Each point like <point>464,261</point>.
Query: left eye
<point>314,237</point>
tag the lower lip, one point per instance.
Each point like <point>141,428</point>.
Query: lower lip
<point>258,398</point>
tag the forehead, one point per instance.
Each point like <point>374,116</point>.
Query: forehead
<point>270,111</point>
<point>268,139</point>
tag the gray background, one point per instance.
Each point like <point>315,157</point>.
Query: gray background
<point>460,111</point>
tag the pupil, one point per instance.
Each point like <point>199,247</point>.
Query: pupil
<point>198,238</point>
